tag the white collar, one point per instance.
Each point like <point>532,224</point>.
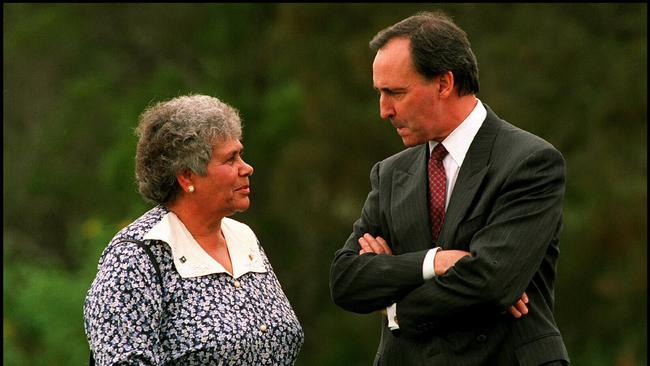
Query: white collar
<point>192,261</point>
<point>459,140</point>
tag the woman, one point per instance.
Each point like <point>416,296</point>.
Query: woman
<point>184,284</point>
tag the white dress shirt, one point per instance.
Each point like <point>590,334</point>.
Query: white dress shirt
<point>457,144</point>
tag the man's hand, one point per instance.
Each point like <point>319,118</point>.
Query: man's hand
<point>370,244</point>
<point>519,309</point>
<point>446,259</point>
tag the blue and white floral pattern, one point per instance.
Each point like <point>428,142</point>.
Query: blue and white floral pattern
<point>209,320</point>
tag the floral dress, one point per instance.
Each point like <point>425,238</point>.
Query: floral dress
<point>199,314</point>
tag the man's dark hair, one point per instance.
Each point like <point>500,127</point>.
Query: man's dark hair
<point>438,45</point>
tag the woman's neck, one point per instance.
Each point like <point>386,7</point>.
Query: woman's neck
<point>198,223</point>
<point>206,231</point>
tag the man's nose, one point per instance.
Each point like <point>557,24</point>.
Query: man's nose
<point>386,109</point>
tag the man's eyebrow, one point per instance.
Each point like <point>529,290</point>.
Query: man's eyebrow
<point>396,89</point>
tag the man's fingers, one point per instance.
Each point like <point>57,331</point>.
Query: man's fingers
<point>370,244</point>
<point>383,243</point>
<point>518,309</point>
<point>514,312</point>
<point>521,307</point>
<point>374,244</point>
<point>365,247</point>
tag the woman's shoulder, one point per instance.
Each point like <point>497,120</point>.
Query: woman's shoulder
<point>125,243</point>
<point>139,227</point>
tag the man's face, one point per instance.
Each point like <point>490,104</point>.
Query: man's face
<point>406,98</point>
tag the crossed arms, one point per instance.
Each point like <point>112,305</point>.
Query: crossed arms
<point>523,218</point>
<point>444,260</point>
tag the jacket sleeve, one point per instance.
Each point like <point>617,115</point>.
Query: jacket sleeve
<point>369,282</point>
<point>123,308</point>
<point>506,252</point>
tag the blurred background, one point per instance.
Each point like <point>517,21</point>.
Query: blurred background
<point>76,77</point>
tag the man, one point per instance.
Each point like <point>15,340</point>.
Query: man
<point>458,238</point>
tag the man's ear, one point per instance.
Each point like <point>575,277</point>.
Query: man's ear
<point>446,84</point>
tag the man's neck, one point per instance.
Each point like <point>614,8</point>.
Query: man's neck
<point>456,111</point>
<point>462,108</point>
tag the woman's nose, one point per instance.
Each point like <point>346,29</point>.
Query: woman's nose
<point>247,169</point>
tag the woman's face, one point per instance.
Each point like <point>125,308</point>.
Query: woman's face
<point>225,188</point>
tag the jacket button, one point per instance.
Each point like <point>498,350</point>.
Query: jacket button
<point>481,338</point>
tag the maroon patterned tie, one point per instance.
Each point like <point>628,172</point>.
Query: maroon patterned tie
<point>437,189</point>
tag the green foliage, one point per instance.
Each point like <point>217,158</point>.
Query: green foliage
<point>78,75</point>
<point>43,315</point>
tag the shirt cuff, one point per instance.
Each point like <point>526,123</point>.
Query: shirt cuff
<point>428,268</point>
<point>391,313</point>
<point>428,272</point>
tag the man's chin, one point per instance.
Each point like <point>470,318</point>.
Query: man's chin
<point>410,142</point>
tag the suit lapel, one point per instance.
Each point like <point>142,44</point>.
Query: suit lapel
<point>470,176</point>
<point>409,209</point>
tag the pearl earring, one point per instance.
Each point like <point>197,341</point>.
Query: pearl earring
<point>190,189</point>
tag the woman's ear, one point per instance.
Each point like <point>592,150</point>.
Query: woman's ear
<point>184,179</point>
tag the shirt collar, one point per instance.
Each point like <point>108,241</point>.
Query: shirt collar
<point>459,140</point>
<point>192,261</point>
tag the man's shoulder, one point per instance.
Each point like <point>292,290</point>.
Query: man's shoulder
<point>404,157</point>
<point>515,138</point>
<point>512,137</point>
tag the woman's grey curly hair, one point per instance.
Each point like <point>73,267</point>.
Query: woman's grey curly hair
<point>177,135</point>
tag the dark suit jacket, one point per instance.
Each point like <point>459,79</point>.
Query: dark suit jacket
<point>506,209</point>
